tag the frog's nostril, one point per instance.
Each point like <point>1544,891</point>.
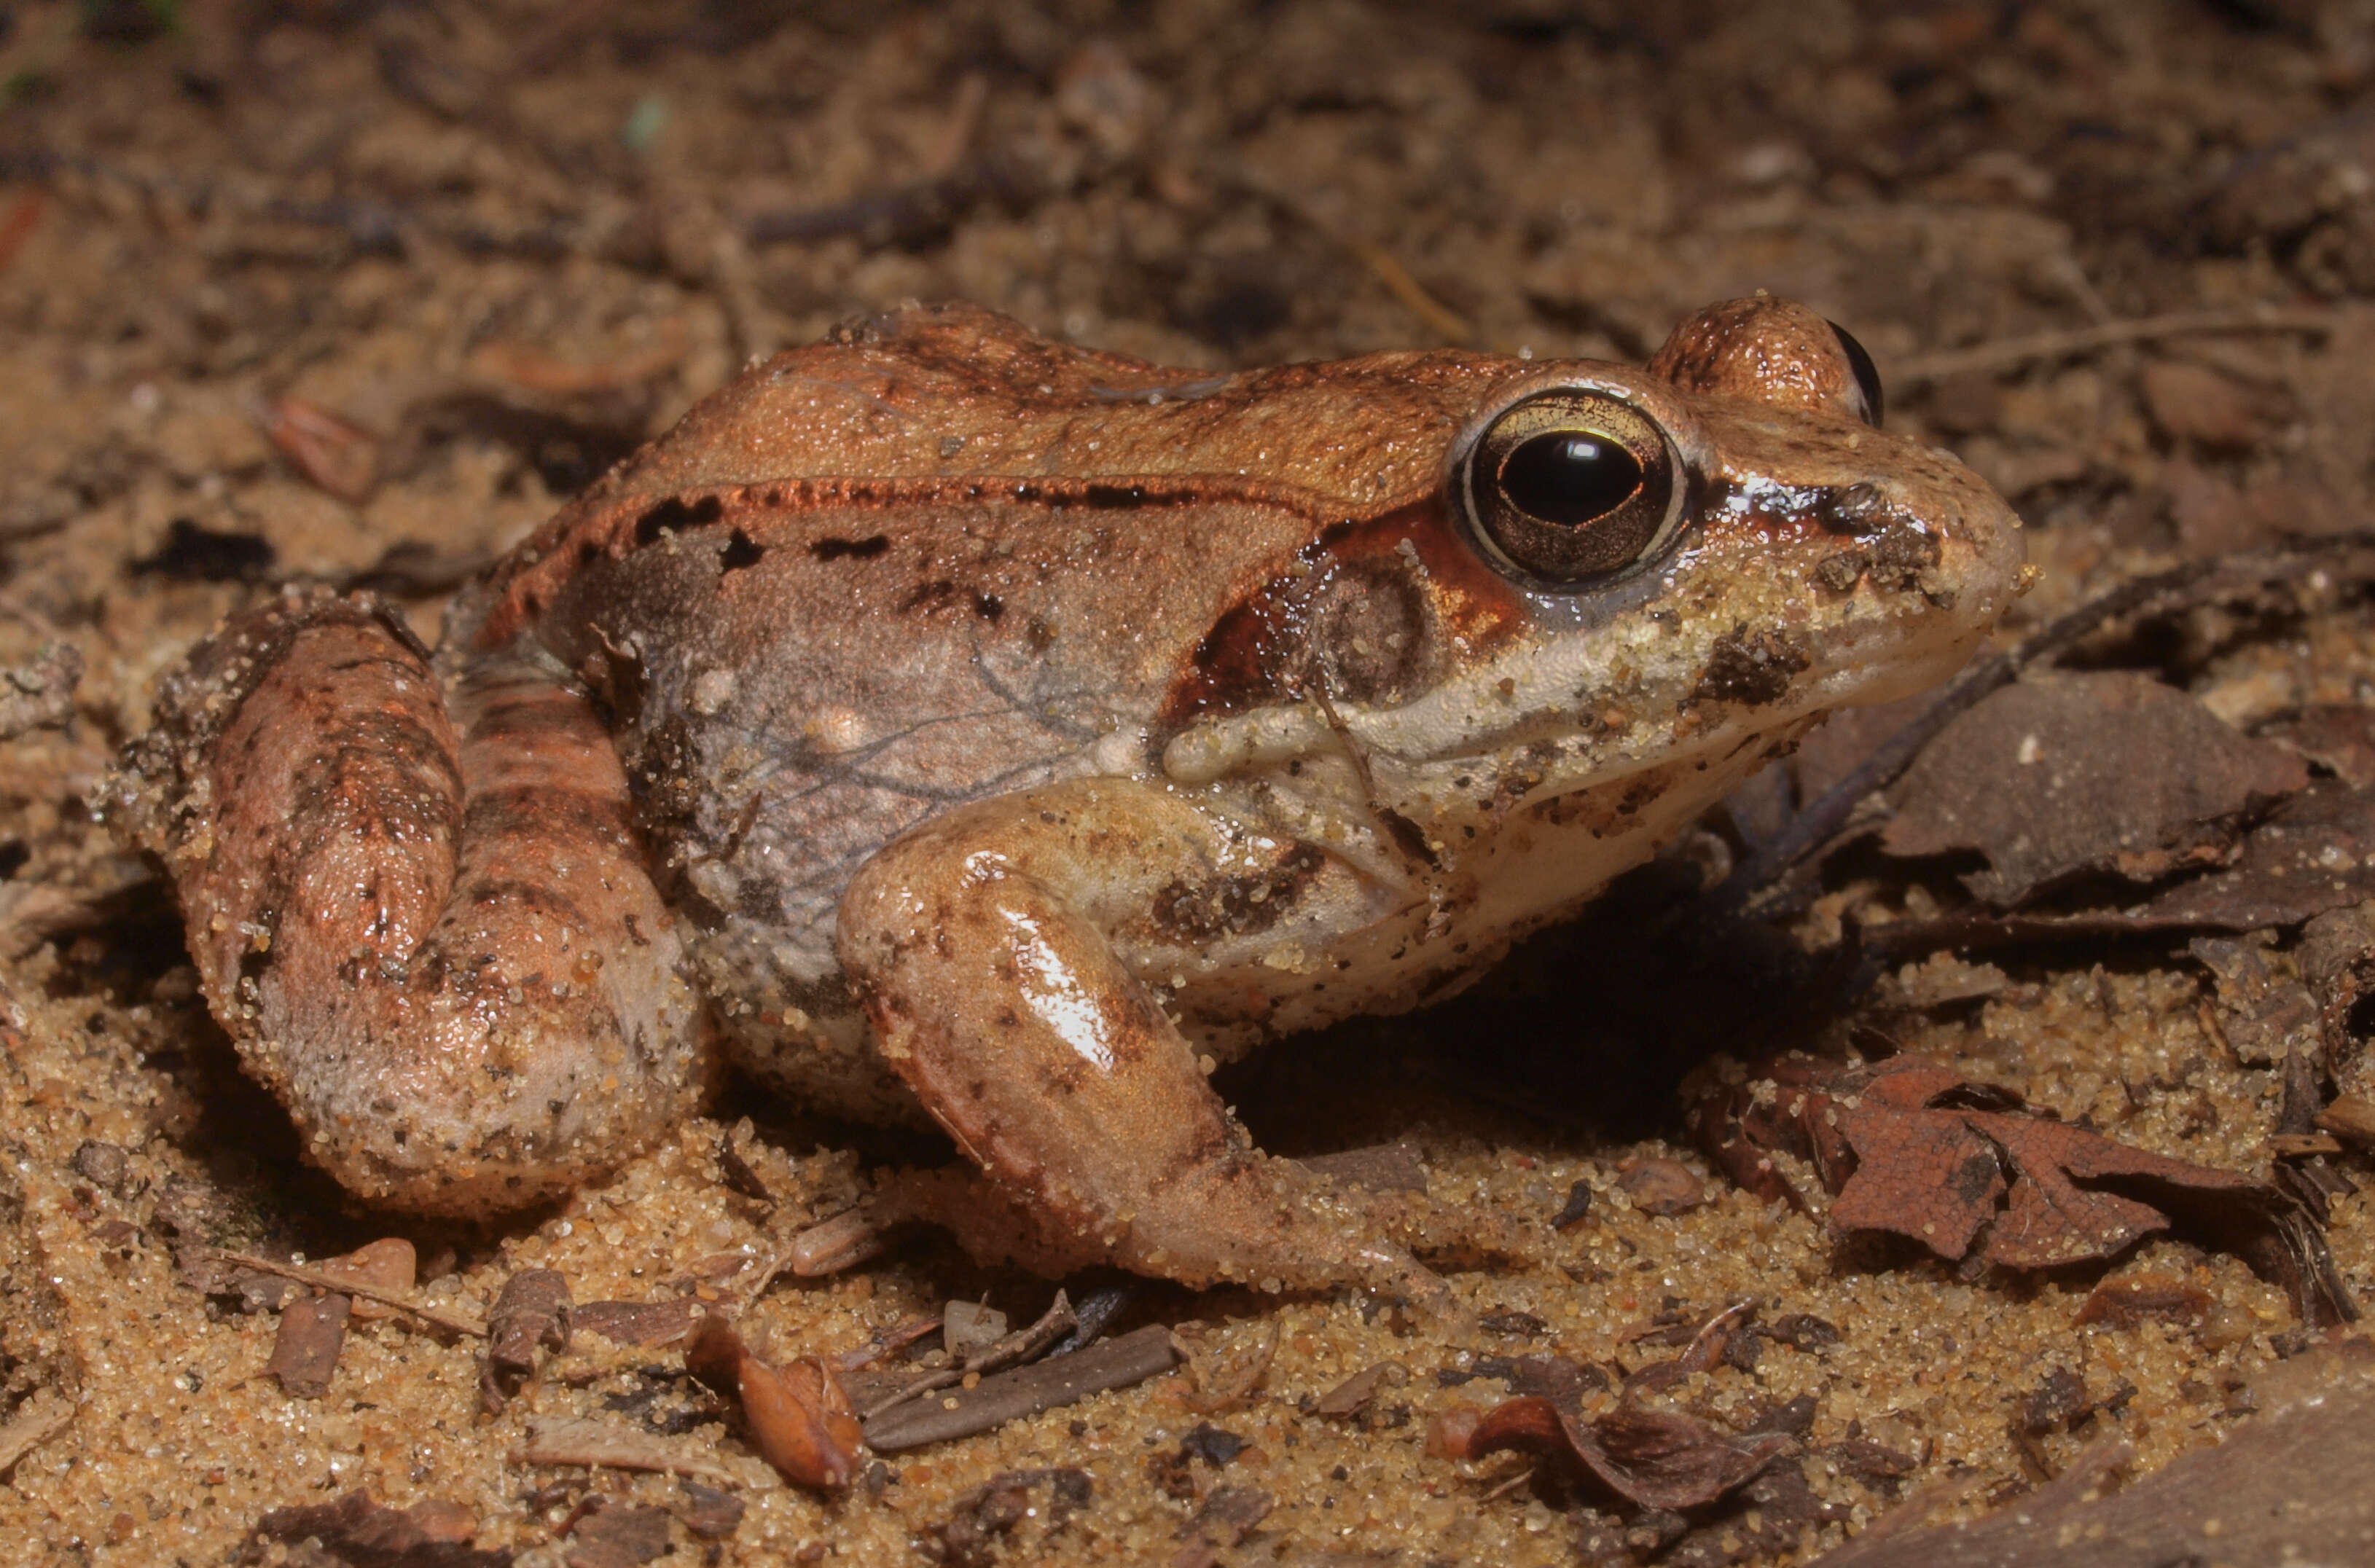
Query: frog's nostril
<point>1569,476</point>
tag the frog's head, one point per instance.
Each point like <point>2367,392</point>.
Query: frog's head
<point>1635,584</point>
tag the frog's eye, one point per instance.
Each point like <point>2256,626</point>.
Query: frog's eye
<point>1571,485</point>
<point>1867,375</point>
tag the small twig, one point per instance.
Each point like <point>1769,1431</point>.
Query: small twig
<point>956,134</point>
<point>571,1440</point>
<point>1707,1343</point>
<point>347,1285</point>
<point>1446,322</point>
<point>1504,1488</point>
<point>2009,353</point>
<point>899,1338</point>
<point>1113,1363</point>
<point>1021,1345</point>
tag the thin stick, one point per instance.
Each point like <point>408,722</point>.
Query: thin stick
<point>347,1285</point>
<point>1446,322</point>
<point>2010,353</point>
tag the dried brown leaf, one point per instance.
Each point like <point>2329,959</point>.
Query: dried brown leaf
<point>361,1533</point>
<point>2110,772</point>
<point>2315,852</point>
<point>2287,1486</point>
<point>1653,1458</point>
<point>2124,1304</point>
<point>990,1515</point>
<point>800,1420</point>
<point>530,1314</point>
<point>618,1535</point>
<point>801,1423</point>
<point>305,1348</point>
<point>2264,1012</point>
<point>2339,737</point>
<point>340,458</point>
<point>708,1512</point>
<point>1913,1149</point>
<point>1662,1187</point>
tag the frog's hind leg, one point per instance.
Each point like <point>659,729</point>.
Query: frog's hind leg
<point>419,905</point>
<point>979,942</point>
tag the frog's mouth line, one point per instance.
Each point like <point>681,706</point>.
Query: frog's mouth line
<point>1888,661</point>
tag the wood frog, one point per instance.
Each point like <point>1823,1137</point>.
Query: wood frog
<point>945,717</point>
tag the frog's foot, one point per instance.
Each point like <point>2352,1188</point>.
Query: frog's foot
<point>1002,1003</point>
<point>425,919</point>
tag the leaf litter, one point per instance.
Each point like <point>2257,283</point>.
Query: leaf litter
<point>1968,1172</point>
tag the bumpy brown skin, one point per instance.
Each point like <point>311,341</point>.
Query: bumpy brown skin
<point>423,910</point>
<point>1011,728</point>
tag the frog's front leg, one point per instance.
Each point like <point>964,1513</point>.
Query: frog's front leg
<point>983,945</point>
<point>419,906</point>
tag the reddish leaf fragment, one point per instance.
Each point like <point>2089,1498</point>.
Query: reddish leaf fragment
<point>1968,1170</point>
<point>2057,1402</point>
<point>1719,1337</point>
<point>1654,1458</point>
<point>339,459</point>
<point>2350,1117</point>
<point>531,1313</point>
<point>994,1511</point>
<point>709,1513</point>
<point>1662,1187</point>
<point>800,1420</point>
<point>1351,1396</point>
<point>1452,1433</point>
<point>361,1533</point>
<point>2111,771</point>
<point>305,1350</point>
<point>388,1264</point>
<point>801,1423</point>
<point>618,1535</point>
<point>2124,1304</point>
<point>1224,1518</point>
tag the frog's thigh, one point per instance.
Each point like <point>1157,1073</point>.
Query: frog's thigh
<point>427,923</point>
<point>994,992</point>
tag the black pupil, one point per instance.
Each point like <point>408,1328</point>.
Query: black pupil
<point>1569,476</point>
